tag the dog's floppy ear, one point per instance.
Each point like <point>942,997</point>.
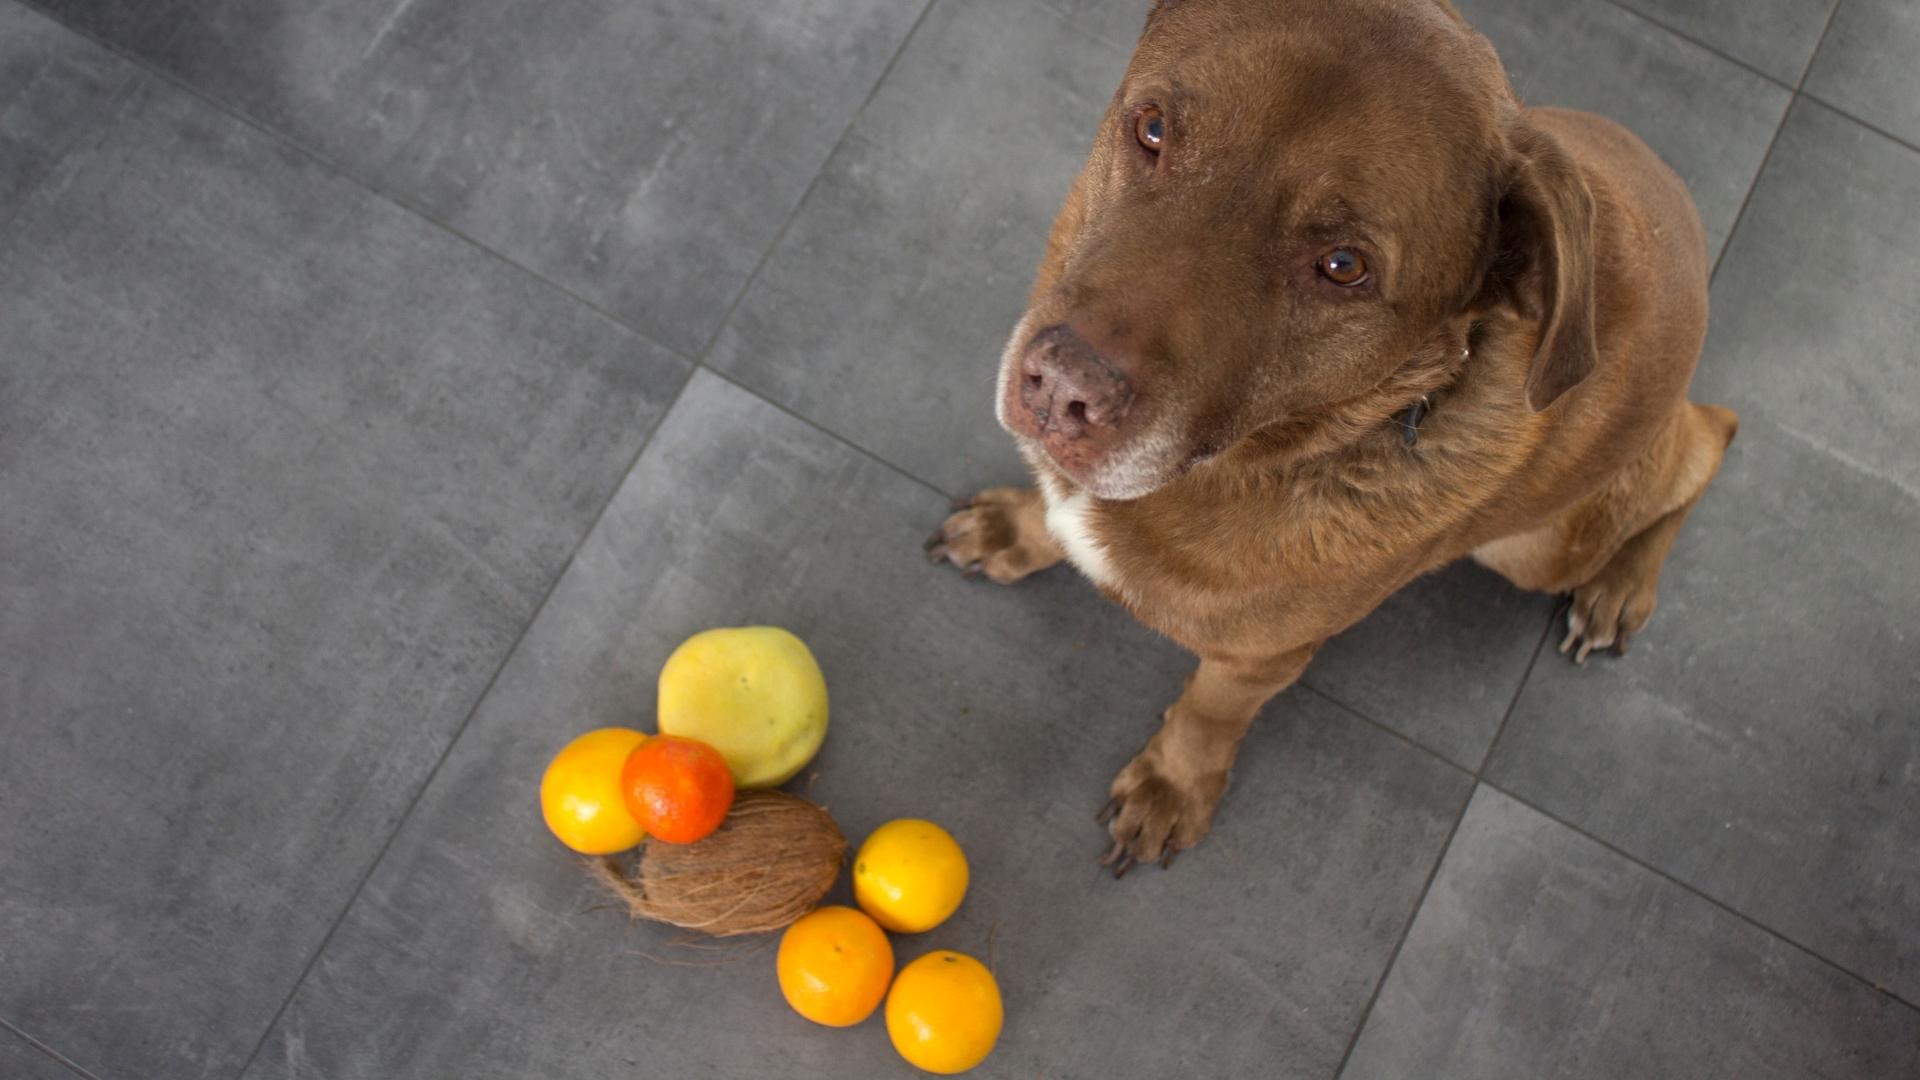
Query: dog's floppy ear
<point>1545,260</point>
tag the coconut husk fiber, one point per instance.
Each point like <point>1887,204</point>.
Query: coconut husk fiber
<point>768,864</point>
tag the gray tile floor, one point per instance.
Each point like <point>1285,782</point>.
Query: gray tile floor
<point>386,386</point>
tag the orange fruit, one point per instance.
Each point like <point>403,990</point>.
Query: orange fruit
<point>834,966</point>
<point>580,793</point>
<point>910,875</point>
<point>677,789</point>
<point>944,1013</point>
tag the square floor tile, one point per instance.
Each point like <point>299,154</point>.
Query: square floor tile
<point>283,472</point>
<point>1866,65</point>
<point>51,81</point>
<point>1776,36</point>
<point>1001,713</point>
<point>642,154</point>
<point>1815,324</point>
<point>883,312</point>
<point>1759,741</point>
<point>1540,953</point>
<point>1709,118</point>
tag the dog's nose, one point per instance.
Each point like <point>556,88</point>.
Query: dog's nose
<point>1069,387</point>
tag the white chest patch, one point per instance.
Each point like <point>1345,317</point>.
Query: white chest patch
<point>1067,521</point>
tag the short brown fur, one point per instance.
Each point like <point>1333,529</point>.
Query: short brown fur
<point>1543,285</point>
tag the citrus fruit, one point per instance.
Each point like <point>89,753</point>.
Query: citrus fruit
<point>754,693</point>
<point>909,875</point>
<point>677,789</point>
<point>943,1013</point>
<point>580,793</point>
<point>834,966</point>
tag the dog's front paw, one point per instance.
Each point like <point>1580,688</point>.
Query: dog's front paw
<point>1608,610</point>
<point>1000,532</point>
<point>1158,810</point>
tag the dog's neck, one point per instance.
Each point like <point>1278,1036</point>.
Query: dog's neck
<point>1399,404</point>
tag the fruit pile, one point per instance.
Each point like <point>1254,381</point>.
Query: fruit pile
<point>742,710</point>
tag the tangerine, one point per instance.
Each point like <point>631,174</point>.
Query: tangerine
<point>834,966</point>
<point>678,789</point>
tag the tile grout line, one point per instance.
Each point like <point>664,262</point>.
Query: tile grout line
<point>1818,43</point>
<point>1406,929</point>
<point>1433,874</point>
<point>1715,49</point>
<point>799,204</point>
<point>734,382</point>
<point>1709,898</point>
<point>780,236</point>
<point>1746,200</point>
<point>58,1058</point>
<point>697,365</point>
<point>1399,736</point>
<point>1798,89</point>
<point>1897,140</point>
<point>1513,705</point>
<point>426,782</point>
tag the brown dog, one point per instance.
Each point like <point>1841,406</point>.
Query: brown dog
<point>1328,309</point>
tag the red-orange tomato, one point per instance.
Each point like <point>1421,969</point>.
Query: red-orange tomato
<point>678,789</point>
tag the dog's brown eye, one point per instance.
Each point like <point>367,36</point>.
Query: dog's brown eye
<point>1150,127</point>
<point>1343,266</point>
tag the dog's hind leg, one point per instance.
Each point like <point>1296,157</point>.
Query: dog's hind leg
<point>1613,603</point>
<point>1001,532</point>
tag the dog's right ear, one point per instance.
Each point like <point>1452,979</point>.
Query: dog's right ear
<point>1543,263</point>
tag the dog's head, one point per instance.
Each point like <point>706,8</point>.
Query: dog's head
<point>1287,203</point>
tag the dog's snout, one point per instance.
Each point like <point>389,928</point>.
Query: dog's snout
<point>1069,387</point>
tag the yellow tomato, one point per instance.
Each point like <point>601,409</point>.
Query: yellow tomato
<point>943,1013</point>
<point>834,966</point>
<point>910,875</point>
<point>580,795</point>
<point>754,693</point>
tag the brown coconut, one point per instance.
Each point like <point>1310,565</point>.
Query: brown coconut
<point>768,864</point>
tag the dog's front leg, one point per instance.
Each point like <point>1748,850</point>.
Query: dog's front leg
<point>1163,800</point>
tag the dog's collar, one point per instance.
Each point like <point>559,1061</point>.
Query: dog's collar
<point>1408,420</point>
<point>1410,417</point>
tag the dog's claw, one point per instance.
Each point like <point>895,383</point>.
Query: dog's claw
<point>1126,864</point>
<point>1106,813</point>
<point>1172,854</point>
<point>1113,853</point>
<point>1576,623</point>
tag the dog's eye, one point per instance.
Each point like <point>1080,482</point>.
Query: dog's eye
<point>1150,127</point>
<point>1343,266</point>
